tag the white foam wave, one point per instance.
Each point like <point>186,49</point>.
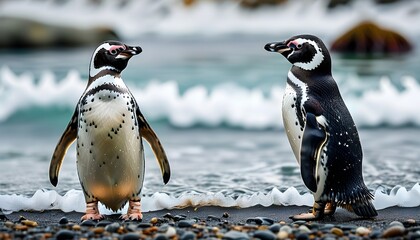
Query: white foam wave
<point>229,105</point>
<point>212,17</point>
<point>73,200</point>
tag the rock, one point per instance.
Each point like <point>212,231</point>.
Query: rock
<point>396,223</point>
<point>336,3</point>
<point>393,231</point>
<point>98,230</point>
<point>113,227</point>
<point>179,217</point>
<point>302,236</point>
<point>63,220</point>
<point>260,221</point>
<point>88,223</point>
<point>410,222</point>
<point>367,38</point>
<point>131,236</point>
<point>144,225</point>
<point>264,235</point>
<point>29,223</point>
<point>22,33</point>
<point>213,218</point>
<point>103,223</point>
<point>282,235</point>
<point>304,229</point>
<point>186,223</point>
<point>225,215</point>
<point>188,235</point>
<point>337,231</point>
<point>64,234</point>
<point>286,228</point>
<point>235,235</point>
<point>170,232</point>
<point>275,228</point>
<point>362,231</point>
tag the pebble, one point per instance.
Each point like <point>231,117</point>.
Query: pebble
<point>64,234</point>
<point>393,231</point>
<point>264,235</point>
<point>304,229</point>
<point>396,223</point>
<point>188,235</point>
<point>186,223</point>
<point>63,220</point>
<point>275,228</point>
<point>170,232</point>
<point>337,231</point>
<point>282,235</point>
<point>362,231</point>
<point>113,227</point>
<point>286,228</point>
<point>131,236</point>
<point>103,223</point>
<point>235,235</point>
<point>88,223</point>
<point>225,215</point>
<point>29,223</point>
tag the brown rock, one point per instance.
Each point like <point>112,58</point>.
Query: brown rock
<point>337,231</point>
<point>252,4</point>
<point>369,38</point>
<point>393,231</point>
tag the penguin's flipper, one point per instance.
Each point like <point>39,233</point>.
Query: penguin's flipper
<point>313,139</point>
<point>68,137</point>
<point>147,133</point>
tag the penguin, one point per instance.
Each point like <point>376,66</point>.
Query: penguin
<point>108,128</point>
<point>321,131</point>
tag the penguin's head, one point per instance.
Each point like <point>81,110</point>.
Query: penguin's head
<point>307,52</point>
<point>112,55</point>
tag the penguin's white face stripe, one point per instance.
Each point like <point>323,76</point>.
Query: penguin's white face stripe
<point>316,60</point>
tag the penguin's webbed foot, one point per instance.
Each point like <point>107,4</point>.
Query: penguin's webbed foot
<point>317,213</point>
<point>92,212</point>
<point>133,212</point>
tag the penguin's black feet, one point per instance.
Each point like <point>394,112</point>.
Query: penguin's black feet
<point>317,213</point>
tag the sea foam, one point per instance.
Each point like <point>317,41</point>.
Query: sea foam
<point>73,200</point>
<point>223,105</point>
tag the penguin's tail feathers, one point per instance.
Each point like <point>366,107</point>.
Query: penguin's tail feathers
<point>363,209</point>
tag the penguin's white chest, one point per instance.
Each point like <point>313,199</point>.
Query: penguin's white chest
<point>292,127</point>
<point>110,159</point>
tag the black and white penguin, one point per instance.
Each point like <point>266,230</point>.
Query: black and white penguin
<point>109,128</point>
<point>321,131</point>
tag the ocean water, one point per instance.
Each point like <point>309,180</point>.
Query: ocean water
<point>215,103</point>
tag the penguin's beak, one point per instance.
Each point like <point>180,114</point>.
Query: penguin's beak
<point>279,47</point>
<point>129,52</point>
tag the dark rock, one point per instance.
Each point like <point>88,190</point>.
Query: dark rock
<point>260,221</point>
<point>336,3</point>
<point>64,234</point>
<point>299,222</point>
<point>168,215</point>
<point>302,236</point>
<point>225,215</point>
<point>264,235</point>
<point>160,237</point>
<point>275,228</point>
<point>130,236</point>
<point>88,223</point>
<point>367,38</point>
<point>374,234</point>
<point>188,236</point>
<point>144,225</point>
<point>63,221</point>
<point>113,227</point>
<point>235,235</point>
<point>103,223</point>
<point>186,223</point>
<point>179,217</point>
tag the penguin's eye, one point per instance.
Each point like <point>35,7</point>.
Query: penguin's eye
<point>293,45</point>
<point>299,46</point>
<point>113,51</point>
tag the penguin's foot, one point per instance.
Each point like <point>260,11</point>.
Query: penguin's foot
<point>92,212</point>
<point>317,213</point>
<point>134,211</point>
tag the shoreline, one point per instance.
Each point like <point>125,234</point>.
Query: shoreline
<point>237,215</point>
<point>216,222</point>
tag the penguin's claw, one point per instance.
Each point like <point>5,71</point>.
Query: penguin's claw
<point>133,212</point>
<point>90,216</point>
<point>305,217</point>
<point>92,212</point>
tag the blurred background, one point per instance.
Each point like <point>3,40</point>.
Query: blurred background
<point>207,86</point>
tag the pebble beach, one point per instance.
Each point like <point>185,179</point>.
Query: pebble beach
<point>213,223</point>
